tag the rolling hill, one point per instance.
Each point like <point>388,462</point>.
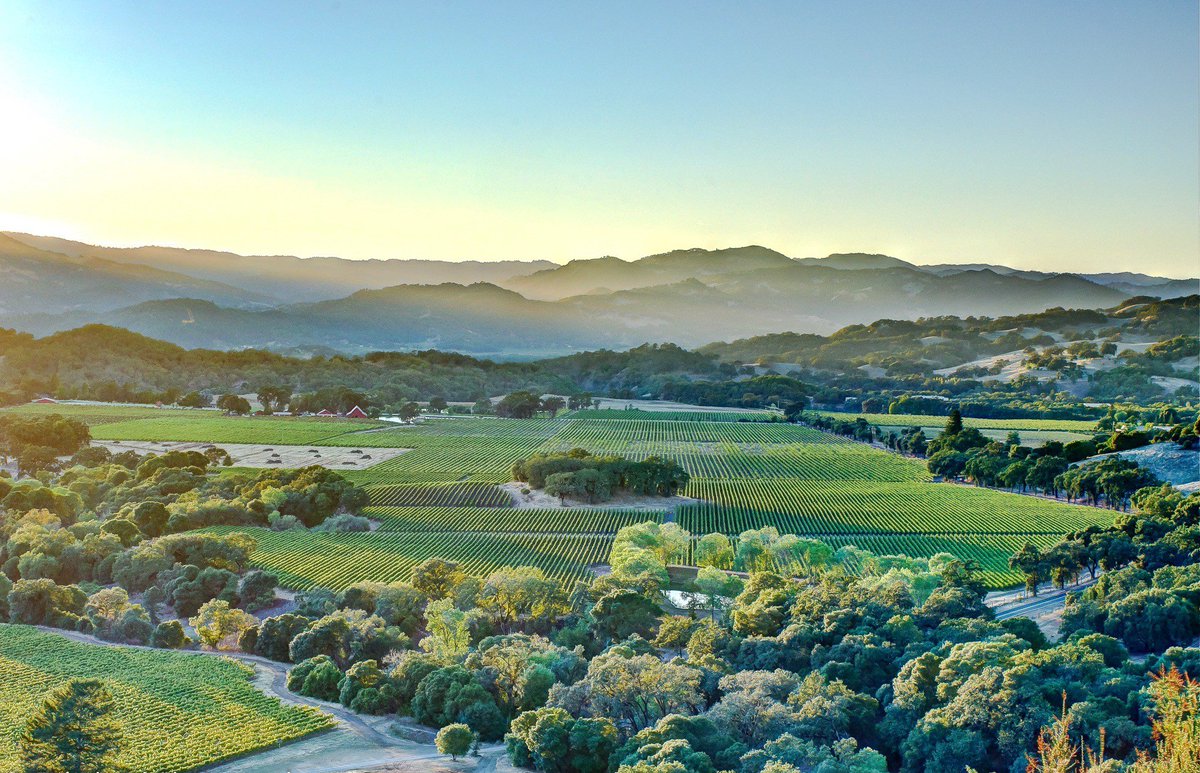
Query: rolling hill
<point>34,280</point>
<point>203,298</point>
<point>285,278</point>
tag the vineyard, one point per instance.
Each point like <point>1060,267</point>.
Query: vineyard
<point>573,520</point>
<point>304,559</point>
<point>609,414</point>
<point>440,498</point>
<point>440,495</point>
<point>450,449</point>
<point>855,507</point>
<point>178,711</point>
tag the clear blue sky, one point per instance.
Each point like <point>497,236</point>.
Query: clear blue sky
<point>1054,135</point>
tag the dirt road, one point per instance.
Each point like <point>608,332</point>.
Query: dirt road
<point>356,743</point>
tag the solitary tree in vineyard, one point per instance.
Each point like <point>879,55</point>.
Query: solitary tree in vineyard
<point>73,731</point>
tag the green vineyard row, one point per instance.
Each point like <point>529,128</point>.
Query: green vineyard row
<point>178,712</point>
<point>471,494</point>
<point>858,507</point>
<point>572,520</point>
<point>304,559</point>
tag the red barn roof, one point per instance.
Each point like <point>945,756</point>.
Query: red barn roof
<point>356,413</point>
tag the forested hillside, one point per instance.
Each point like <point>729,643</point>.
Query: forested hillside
<point>1053,363</point>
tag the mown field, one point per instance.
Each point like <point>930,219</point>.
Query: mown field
<point>204,428</point>
<point>179,711</point>
<point>440,499</point>
<point>120,422</point>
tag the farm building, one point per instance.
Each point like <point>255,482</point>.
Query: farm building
<point>356,413</point>
<point>46,401</point>
<point>326,412</point>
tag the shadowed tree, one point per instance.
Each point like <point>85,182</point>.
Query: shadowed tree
<point>73,731</point>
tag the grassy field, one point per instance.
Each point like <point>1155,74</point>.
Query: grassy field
<point>100,413</point>
<point>119,422</point>
<point>179,711</point>
<point>217,428</point>
<point>440,498</point>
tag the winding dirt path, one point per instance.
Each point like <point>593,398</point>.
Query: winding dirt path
<point>353,744</point>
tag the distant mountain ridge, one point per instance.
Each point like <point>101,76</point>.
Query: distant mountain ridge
<point>32,280</point>
<point>211,299</point>
<point>287,278</point>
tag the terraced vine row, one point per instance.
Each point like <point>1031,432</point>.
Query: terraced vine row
<point>303,559</point>
<point>574,520</point>
<point>611,414</point>
<point>178,711</point>
<point>470,494</point>
<point>600,435</point>
<point>857,507</point>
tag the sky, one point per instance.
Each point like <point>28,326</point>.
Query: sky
<point>1049,135</point>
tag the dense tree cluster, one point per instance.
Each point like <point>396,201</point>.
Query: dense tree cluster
<point>900,366</point>
<point>755,392</point>
<point>580,475</point>
<point>895,366</point>
<point>76,548</point>
<point>37,442</point>
<point>1054,468</point>
<point>523,404</point>
<point>815,659</point>
<point>1148,596</point>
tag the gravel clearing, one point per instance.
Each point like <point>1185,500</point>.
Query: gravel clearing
<point>268,456</point>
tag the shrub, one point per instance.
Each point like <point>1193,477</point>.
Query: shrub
<point>344,523</point>
<point>316,677</point>
<point>455,740</point>
<point>169,635</point>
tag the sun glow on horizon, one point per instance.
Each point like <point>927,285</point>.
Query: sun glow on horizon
<point>126,130</point>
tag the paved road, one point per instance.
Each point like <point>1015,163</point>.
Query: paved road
<point>1037,606</point>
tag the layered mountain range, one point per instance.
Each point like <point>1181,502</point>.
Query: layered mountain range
<point>203,298</point>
